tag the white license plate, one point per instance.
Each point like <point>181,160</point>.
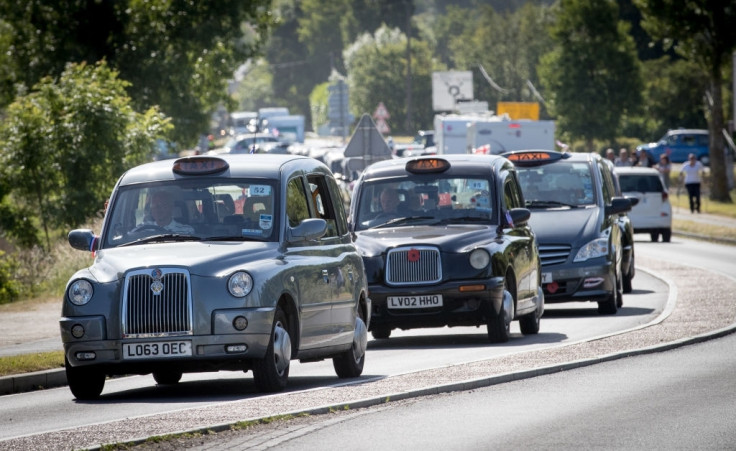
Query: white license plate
<point>547,277</point>
<point>157,350</point>
<point>416,302</point>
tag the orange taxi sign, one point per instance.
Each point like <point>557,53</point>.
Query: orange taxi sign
<point>199,165</point>
<point>427,165</point>
<point>530,156</point>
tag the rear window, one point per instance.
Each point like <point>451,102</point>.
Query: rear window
<point>640,183</point>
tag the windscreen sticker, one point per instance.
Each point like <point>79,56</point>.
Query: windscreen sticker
<point>478,184</point>
<point>251,232</point>
<point>259,190</point>
<point>266,222</point>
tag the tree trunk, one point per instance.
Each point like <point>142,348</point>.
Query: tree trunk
<point>719,180</point>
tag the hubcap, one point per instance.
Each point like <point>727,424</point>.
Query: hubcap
<point>281,348</point>
<point>360,339</point>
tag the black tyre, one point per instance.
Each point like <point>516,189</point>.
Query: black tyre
<point>350,363</point>
<point>85,383</point>
<point>628,277</point>
<point>529,324</point>
<point>654,236</point>
<point>381,333</point>
<point>499,324</point>
<point>615,299</point>
<point>272,371</point>
<point>167,377</point>
<point>666,235</point>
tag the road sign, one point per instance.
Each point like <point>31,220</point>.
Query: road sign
<point>366,146</point>
<point>448,88</point>
<point>519,110</point>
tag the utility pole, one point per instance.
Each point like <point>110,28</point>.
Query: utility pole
<point>409,120</point>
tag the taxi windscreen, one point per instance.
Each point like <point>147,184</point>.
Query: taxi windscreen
<point>564,183</point>
<point>427,199</point>
<point>191,210</point>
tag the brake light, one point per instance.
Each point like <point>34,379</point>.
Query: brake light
<point>665,195</point>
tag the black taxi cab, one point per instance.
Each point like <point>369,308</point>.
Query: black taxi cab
<point>575,212</point>
<point>446,242</point>
<point>210,263</point>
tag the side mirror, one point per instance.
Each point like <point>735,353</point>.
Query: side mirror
<point>83,240</point>
<point>520,215</point>
<point>634,201</point>
<point>618,205</point>
<point>309,229</point>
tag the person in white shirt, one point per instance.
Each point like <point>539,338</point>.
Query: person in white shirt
<point>691,175</point>
<point>162,209</point>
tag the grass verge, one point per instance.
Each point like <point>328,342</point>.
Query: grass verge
<point>28,363</point>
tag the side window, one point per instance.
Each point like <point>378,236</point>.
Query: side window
<point>512,192</point>
<point>340,216</point>
<point>606,183</point>
<point>296,202</point>
<point>322,203</point>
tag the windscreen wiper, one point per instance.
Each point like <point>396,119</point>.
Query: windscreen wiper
<point>163,237</point>
<point>402,219</point>
<point>548,203</point>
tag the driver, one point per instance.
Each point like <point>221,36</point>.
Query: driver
<point>389,201</point>
<point>162,209</point>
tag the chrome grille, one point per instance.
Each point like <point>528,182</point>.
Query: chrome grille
<point>554,254</point>
<point>147,314</point>
<point>425,269</point>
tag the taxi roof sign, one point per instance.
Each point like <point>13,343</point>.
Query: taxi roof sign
<point>427,165</point>
<point>199,165</point>
<point>535,156</point>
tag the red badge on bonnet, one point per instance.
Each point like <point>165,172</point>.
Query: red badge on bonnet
<point>413,255</point>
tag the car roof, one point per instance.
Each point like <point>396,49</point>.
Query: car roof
<point>681,131</point>
<point>466,163</point>
<point>268,166</point>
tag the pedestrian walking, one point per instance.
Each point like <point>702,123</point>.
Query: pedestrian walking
<point>665,168</point>
<point>691,174</point>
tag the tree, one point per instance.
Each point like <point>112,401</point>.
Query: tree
<point>592,77</point>
<point>177,54</point>
<point>377,68</point>
<point>701,31</point>
<point>64,145</point>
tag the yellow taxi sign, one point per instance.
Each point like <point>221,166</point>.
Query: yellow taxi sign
<point>530,156</point>
<point>427,165</point>
<point>521,157</point>
<point>199,165</point>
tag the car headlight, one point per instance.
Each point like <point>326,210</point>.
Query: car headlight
<point>479,258</point>
<point>240,284</point>
<point>80,292</point>
<point>595,248</point>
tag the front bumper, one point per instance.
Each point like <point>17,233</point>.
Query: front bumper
<point>223,348</point>
<point>577,283</point>
<point>464,303</point>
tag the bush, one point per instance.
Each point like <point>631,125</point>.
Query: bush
<point>9,287</point>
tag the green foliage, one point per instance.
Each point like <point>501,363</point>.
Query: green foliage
<point>65,144</point>
<point>318,105</point>
<point>9,287</point>
<point>592,77</point>
<point>377,69</point>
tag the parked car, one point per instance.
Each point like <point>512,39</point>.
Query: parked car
<point>653,212</point>
<point>678,144</point>
<point>233,262</point>
<point>575,214</point>
<point>423,144</point>
<point>446,242</point>
<point>628,260</point>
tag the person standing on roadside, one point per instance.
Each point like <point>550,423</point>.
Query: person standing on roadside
<point>611,155</point>
<point>623,158</point>
<point>665,168</point>
<point>691,175</point>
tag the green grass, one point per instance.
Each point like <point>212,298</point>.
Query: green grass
<point>28,363</point>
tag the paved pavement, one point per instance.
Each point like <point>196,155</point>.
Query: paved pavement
<point>37,330</point>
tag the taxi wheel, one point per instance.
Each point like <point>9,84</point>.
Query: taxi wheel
<point>167,377</point>
<point>272,371</point>
<point>85,383</point>
<point>381,333</point>
<point>350,363</point>
<point>628,288</point>
<point>499,324</point>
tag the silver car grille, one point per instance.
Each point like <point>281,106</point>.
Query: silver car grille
<point>413,266</point>
<point>554,254</point>
<point>157,303</point>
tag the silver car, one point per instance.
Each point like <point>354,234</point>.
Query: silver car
<point>210,263</point>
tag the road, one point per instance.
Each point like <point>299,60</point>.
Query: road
<point>137,397</point>
<point>645,402</point>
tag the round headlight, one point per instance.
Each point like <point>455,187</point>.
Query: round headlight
<point>80,292</point>
<point>479,258</point>
<point>240,284</point>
